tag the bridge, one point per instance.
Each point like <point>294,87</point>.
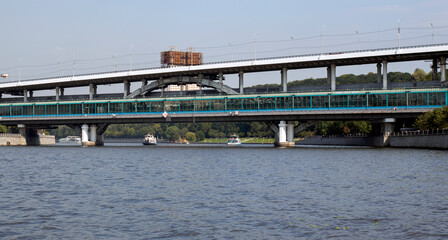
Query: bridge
<point>212,74</point>
<point>281,110</point>
<point>382,106</point>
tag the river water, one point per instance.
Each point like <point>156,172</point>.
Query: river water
<point>130,191</point>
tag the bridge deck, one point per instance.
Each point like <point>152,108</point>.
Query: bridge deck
<point>250,65</point>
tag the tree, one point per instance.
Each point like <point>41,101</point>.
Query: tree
<point>419,74</point>
<point>3,129</point>
<point>191,137</point>
<point>435,119</point>
<point>172,133</point>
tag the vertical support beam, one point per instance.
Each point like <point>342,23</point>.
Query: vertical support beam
<point>57,93</point>
<point>328,75</point>
<point>93,133</point>
<point>282,132</point>
<point>91,91</point>
<point>241,77</point>
<point>144,82</point>
<point>127,88</point>
<point>378,72</point>
<point>221,77</point>
<point>31,94</point>
<point>25,95</point>
<point>443,69</point>
<point>434,69</point>
<point>384,75</point>
<point>290,132</point>
<point>84,134</point>
<point>333,77</point>
<point>284,74</point>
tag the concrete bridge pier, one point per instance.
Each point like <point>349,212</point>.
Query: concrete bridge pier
<point>32,137</point>
<point>92,91</point>
<point>241,81</point>
<point>284,134</point>
<point>284,76</point>
<point>383,129</point>
<point>384,75</point>
<point>85,136</point>
<point>442,69</point>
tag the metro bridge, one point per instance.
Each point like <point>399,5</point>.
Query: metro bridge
<point>281,110</point>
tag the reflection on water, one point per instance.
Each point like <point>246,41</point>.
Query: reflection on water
<point>214,191</point>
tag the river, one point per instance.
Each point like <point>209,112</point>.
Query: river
<point>128,191</point>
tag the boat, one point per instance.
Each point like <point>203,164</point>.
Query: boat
<point>70,139</point>
<point>149,140</point>
<point>234,140</point>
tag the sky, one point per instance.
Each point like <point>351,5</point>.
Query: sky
<point>48,38</point>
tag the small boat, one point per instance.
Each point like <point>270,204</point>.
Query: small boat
<point>70,139</point>
<point>234,140</point>
<point>149,140</point>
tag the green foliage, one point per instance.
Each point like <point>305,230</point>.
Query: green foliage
<point>419,74</point>
<point>3,129</point>
<point>435,119</point>
<point>340,127</point>
<point>191,137</point>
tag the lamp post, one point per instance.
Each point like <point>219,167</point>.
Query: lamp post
<point>359,48</point>
<point>399,20</point>
<point>255,46</point>
<point>432,27</point>
<point>321,40</point>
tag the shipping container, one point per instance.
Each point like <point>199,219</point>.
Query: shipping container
<point>179,58</point>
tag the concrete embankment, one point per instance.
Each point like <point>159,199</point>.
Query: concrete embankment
<point>11,139</point>
<point>437,141</point>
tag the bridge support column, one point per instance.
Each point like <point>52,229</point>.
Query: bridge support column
<point>378,72</point>
<point>241,77</point>
<point>85,136</point>
<point>290,134</point>
<point>99,140</point>
<point>144,82</point>
<point>284,76</point>
<point>31,94</point>
<point>386,128</point>
<point>57,93</point>
<point>328,75</point>
<point>443,69</point>
<point>93,133</point>
<point>221,78</point>
<point>384,75</point>
<point>127,88</point>
<point>25,95</point>
<point>333,77</point>
<point>434,69</point>
<point>92,91</point>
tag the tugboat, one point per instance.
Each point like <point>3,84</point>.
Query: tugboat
<point>234,140</point>
<point>149,140</point>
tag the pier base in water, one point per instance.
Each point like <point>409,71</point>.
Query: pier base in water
<point>284,144</point>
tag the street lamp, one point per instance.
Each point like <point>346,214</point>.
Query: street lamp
<point>359,48</point>
<point>255,46</point>
<point>399,20</point>
<point>432,26</point>
<point>321,40</point>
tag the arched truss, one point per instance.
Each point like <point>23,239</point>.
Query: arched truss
<point>162,83</point>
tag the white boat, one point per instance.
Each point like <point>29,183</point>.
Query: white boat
<point>149,140</point>
<point>70,139</point>
<point>233,140</point>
